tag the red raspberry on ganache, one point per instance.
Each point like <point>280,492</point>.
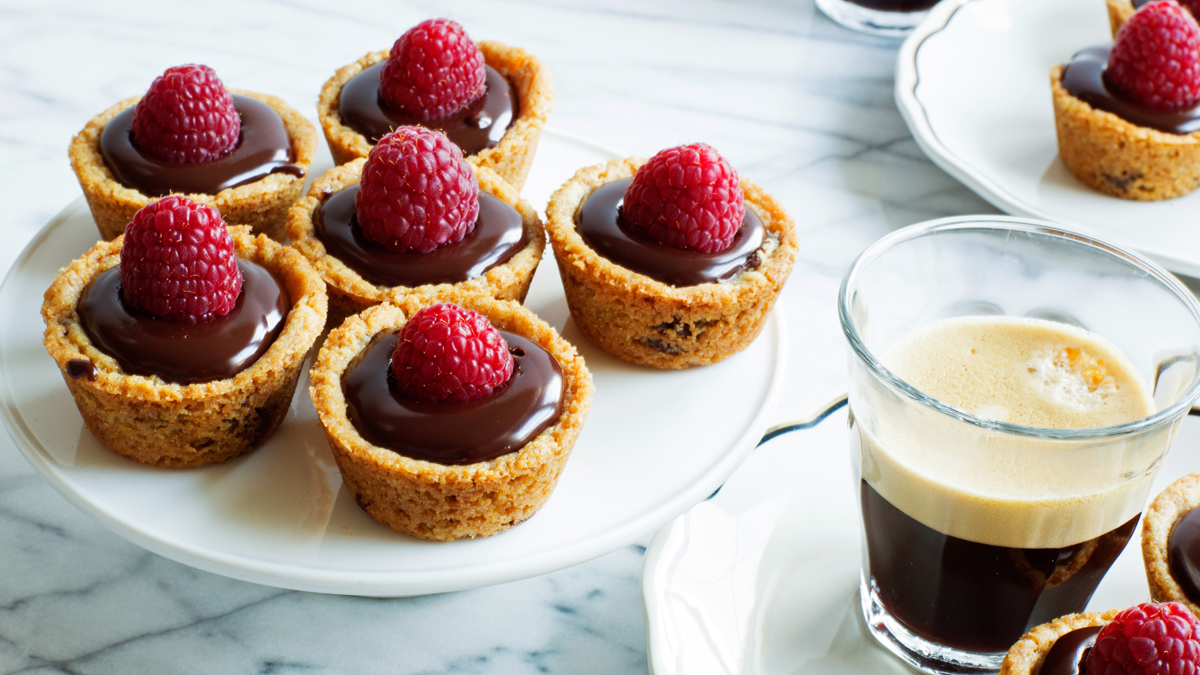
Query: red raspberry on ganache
<point>1155,59</point>
<point>1150,639</point>
<point>186,117</point>
<point>417,192</point>
<point>433,71</point>
<point>686,197</point>
<point>449,353</point>
<point>178,262</point>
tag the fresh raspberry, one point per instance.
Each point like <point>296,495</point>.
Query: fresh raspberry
<point>433,71</point>
<point>1148,639</point>
<point>186,117</point>
<point>178,262</point>
<point>416,192</point>
<point>448,352</point>
<point>686,197</point>
<point>1155,59</point>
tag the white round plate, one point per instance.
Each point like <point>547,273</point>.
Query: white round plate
<point>656,443</point>
<point>973,83</point>
<point>762,579</point>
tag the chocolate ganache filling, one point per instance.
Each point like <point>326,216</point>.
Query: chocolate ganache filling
<point>476,127</point>
<point>450,432</point>
<point>1183,554</point>
<point>216,350</point>
<point>1084,79</point>
<point>498,234</point>
<point>1067,655</point>
<point>262,148</point>
<point>600,224</point>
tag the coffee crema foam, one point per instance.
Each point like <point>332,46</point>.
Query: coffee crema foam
<point>1004,489</point>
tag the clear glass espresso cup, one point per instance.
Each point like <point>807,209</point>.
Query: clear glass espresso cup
<point>976,530</point>
<point>891,18</point>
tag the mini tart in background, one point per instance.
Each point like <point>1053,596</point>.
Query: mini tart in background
<point>440,501</point>
<point>262,205</point>
<point>166,424</point>
<point>1159,523</point>
<point>1120,158</point>
<point>1028,654</point>
<point>652,323</point>
<point>511,158</point>
<point>350,293</point>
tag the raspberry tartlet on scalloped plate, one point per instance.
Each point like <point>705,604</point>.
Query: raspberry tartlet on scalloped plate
<point>693,281</point>
<point>1148,638</point>
<point>1128,118</point>
<point>243,153</point>
<point>458,226</point>
<point>1171,543</point>
<point>492,100</point>
<point>184,347</point>
<point>438,432</point>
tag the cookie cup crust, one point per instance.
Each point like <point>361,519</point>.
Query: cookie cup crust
<point>1119,12</point>
<point>1159,519</point>
<point>651,323</point>
<point>511,158</point>
<point>262,205</point>
<point>1119,158</point>
<point>173,425</point>
<point>1026,656</point>
<point>349,293</point>
<point>436,501</point>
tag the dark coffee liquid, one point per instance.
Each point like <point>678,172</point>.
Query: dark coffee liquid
<point>1084,79</point>
<point>450,432</point>
<point>1184,554</point>
<point>498,235</point>
<point>262,148</point>
<point>479,126</point>
<point>971,596</point>
<point>598,222</point>
<point>1067,655</point>
<point>181,353</point>
<point>895,5</point>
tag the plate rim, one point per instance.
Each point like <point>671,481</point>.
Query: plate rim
<point>907,80</point>
<point>386,583</point>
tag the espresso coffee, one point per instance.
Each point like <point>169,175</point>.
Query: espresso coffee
<point>895,5</point>
<point>974,536</point>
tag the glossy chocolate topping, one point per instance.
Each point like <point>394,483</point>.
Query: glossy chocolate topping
<point>1084,79</point>
<point>1183,554</point>
<point>599,223</point>
<point>77,368</point>
<point>263,148</point>
<point>479,126</point>
<point>1068,652</point>
<point>451,432</point>
<point>499,233</point>
<point>216,350</point>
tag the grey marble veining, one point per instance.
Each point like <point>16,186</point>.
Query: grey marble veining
<point>795,102</point>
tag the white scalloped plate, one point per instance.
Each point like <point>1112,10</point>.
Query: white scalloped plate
<point>973,83</point>
<point>656,443</point>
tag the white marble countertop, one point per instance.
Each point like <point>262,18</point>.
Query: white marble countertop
<point>795,102</point>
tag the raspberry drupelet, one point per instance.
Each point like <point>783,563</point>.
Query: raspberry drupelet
<point>686,197</point>
<point>447,352</point>
<point>417,192</point>
<point>434,70</point>
<point>186,117</point>
<point>178,262</point>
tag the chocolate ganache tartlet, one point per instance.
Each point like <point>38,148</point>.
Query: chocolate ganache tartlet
<point>1171,544</point>
<point>1127,118</point>
<point>656,295</point>
<point>490,99</point>
<point>242,153</point>
<point>436,451</point>
<point>498,252</point>
<point>195,370</point>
